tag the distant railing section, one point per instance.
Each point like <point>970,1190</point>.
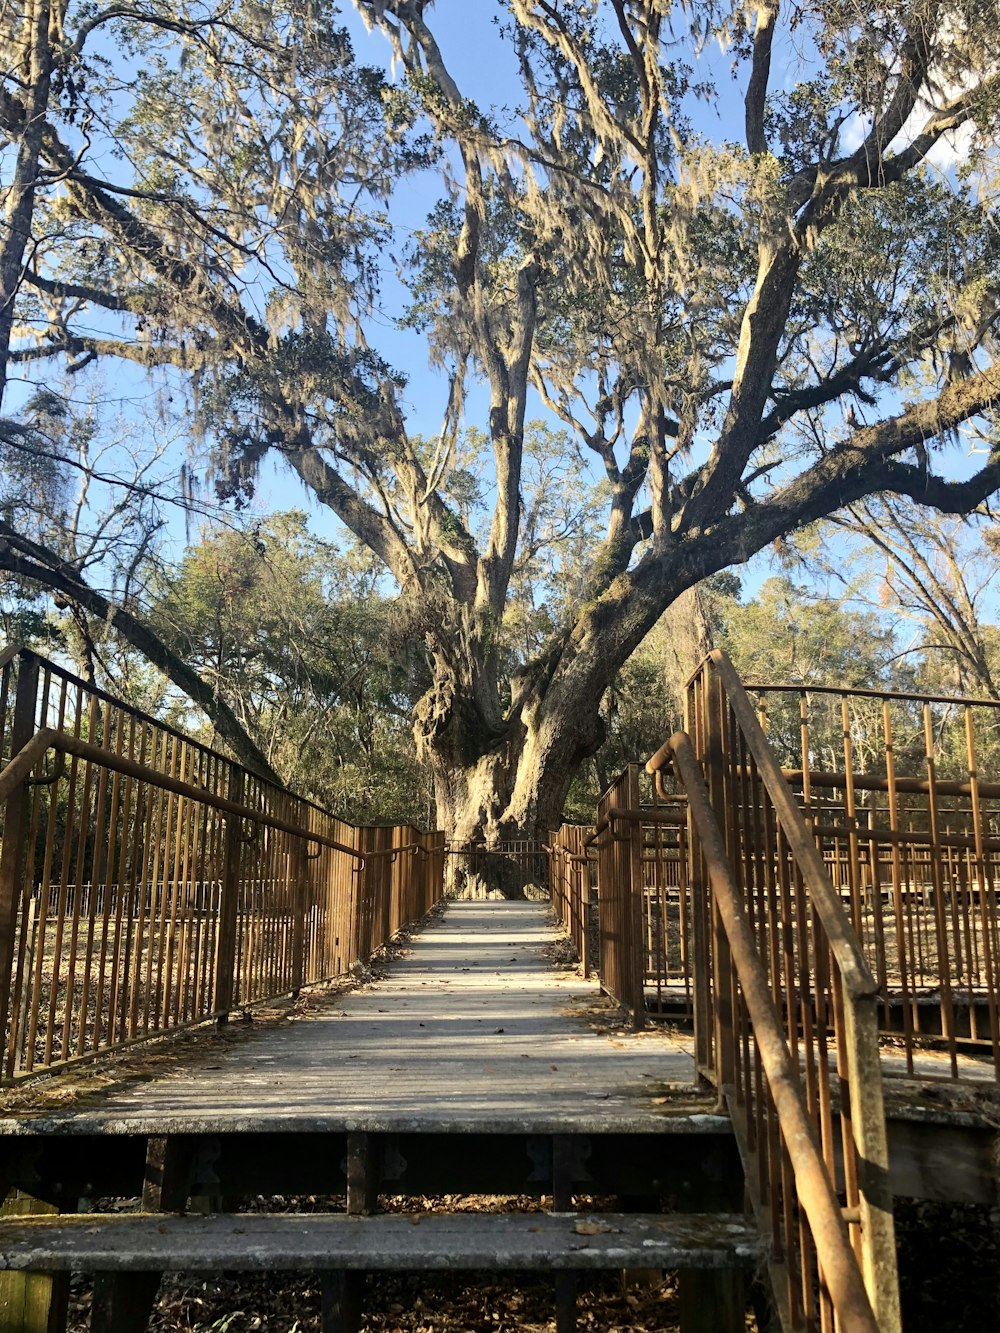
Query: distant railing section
<point>902,795</point>
<point>644,905</point>
<point>571,889</point>
<point>785,1018</point>
<point>638,933</point>
<point>148,883</point>
<point>512,868</point>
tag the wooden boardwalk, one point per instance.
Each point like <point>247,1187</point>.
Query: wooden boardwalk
<point>474,1028</point>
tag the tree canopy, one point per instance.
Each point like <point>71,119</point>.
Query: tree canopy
<point>742,327</point>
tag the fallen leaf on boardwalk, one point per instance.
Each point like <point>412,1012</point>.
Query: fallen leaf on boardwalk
<point>591,1228</point>
<point>554,1068</point>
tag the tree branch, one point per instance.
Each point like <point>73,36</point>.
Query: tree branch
<point>27,559</point>
<point>760,72</point>
<point>866,464</point>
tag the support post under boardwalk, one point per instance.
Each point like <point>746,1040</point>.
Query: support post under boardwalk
<point>566,1301</point>
<point>340,1300</point>
<point>342,1290</point>
<point>32,1302</point>
<point>563,1160</point>
<point>124,1301</point>
<point>712,1300</point>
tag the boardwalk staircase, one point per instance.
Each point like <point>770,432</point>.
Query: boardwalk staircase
<point>147,884</point>
<point>715,1248</point>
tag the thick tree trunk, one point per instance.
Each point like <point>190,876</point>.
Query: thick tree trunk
<point>689,642</point>
<point>493,785</point>
<point>497,780</point>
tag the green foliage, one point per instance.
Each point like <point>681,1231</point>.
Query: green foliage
<point>298,639</point>
<point>786,636</point>
<point>229,195</point>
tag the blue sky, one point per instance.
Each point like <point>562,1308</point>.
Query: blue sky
<point>483,65</point>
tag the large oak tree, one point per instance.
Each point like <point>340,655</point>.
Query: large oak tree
<point>743,332</point>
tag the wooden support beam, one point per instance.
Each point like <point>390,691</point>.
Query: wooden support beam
<point>342,1294</point>
<point>32,1302</point>
<point>363,1175</point>
<point>712,1300</point>
<point>123,1301</point>
<point>566,1302</point>
<point>170,1162</point>
<point>563,1161</point>
<point>342,1290</point>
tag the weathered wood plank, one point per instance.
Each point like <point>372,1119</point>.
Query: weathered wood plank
<point>327,1241</point>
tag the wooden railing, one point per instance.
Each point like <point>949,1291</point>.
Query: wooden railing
<point>785,1018</point>
<point>901,794</point>
<point>148,882</point>
<point>644,904</point>
<point>571,875</point>
<point>857,850</point>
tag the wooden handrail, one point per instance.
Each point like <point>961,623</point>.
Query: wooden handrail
<point>855,972</point>
<point>813,1186</point>
<point>912,786</point>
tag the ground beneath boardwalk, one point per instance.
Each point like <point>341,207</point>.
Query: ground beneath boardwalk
<point>458,1302</point>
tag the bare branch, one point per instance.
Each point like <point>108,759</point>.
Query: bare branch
<point>765,15</point>
<point>27,559</point>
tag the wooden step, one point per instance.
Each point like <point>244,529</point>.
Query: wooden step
<point>162,1242</point>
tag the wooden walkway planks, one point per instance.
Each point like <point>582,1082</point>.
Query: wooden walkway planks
<point>390,1241</point>
<point>473,1029</point>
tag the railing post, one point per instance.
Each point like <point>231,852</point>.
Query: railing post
<point>722,966</point>
<point>700,895</point>
<point>635,970</point>
<point>225,945</point>
<point>360,891</point>
<point>878,1234</point>
<point>700,899</point>
<point>14,857</point>
<point>300,869</point>
<point>31,1302</point>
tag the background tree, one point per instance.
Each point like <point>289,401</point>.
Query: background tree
<point>743,338</point>
<point>941,575</point>
<point>297,639</point>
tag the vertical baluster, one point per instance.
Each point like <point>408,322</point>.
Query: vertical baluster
<point>986,891</point>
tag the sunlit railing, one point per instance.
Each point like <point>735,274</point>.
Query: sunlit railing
<point>571,878</point>
<point>148,883</point>
<point>902,795</point>
<point>644,930</point>
<point>785,1017</point>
